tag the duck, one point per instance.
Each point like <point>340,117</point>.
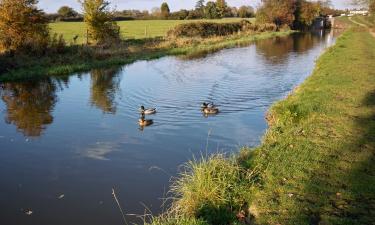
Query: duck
<point>209,108</point>
<point>147,111</point>
<point>144,123</point>
<point>207,105</point>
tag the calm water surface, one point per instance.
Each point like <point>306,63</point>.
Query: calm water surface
<point>65,143</point>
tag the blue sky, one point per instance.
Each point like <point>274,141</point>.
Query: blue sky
<point>53,5</point>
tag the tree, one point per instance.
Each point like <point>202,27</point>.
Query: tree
<point>365,3</point>
<point>246,11</point>
<point>165,11</point>
<point>66,12</point>
<point>279,12</point>
<point>199,6</point>
<point>325,3</point>
<point>305,13</point>
<point>23,26</point>
<point>210,11</point>
<point>99,19</point>
<point>155,12</point>
<point>221,6</point>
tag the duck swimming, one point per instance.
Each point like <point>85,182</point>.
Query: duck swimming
<point>143,122</point>
<point>209,108</point>
<point>147,111</point>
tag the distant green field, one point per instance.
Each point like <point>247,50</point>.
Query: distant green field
<point>129,29</point>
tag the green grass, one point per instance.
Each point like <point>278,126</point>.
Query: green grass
<point>366,20</point>
<point>135,29</point>
<point>316,163</point>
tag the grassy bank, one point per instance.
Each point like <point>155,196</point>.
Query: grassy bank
<point>78,58</point>
<point>316,163</point>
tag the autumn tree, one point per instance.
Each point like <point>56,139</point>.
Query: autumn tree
<point>279,12</point>
<point>305,13</point>
<point>22,26</point>
<point>245,11</point>
<point>165,11</point>
<point>66,12</point>
<point>99,19</point>
<point>210,11</point>
<point>222,7</point>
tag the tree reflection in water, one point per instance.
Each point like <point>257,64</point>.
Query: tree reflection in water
<point>104,86</point>
<point>29,105</point>
<point>276,50</point>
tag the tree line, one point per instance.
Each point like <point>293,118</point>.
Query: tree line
<point>297,14</point>
<point>203,10</point>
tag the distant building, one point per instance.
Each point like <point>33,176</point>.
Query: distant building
<point>358,12</point>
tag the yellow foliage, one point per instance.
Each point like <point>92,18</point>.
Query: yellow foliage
<point>22,26</point>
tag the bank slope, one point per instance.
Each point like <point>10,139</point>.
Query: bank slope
<point>316,163</point>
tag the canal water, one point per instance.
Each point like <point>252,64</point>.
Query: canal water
<point>66,142</point>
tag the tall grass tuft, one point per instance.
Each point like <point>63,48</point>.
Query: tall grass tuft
<point>210,188</point>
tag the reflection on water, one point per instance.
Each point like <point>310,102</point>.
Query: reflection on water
<point>86,138</point>
<point>104,87</point>
<point>29,105</point>
<point>276,50</point>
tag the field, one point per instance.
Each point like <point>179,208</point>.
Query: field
<point>135,29</point>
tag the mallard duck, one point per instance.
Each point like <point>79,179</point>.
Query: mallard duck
<point>207,105</point>
<point>144,123</point>
<point>209,108</point>
<point>147,111</point>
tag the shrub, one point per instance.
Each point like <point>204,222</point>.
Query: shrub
<point>209,29</point>
<point>23,27</point>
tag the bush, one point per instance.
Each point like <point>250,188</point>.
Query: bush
<point>206,29</point>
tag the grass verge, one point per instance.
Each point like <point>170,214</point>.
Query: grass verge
<point>83,58</point>
<point>316,163</point>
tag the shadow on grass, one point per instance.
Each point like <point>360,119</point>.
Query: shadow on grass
<point>342,189</point>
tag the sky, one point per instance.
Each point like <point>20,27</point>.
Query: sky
<point>51,6</point>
